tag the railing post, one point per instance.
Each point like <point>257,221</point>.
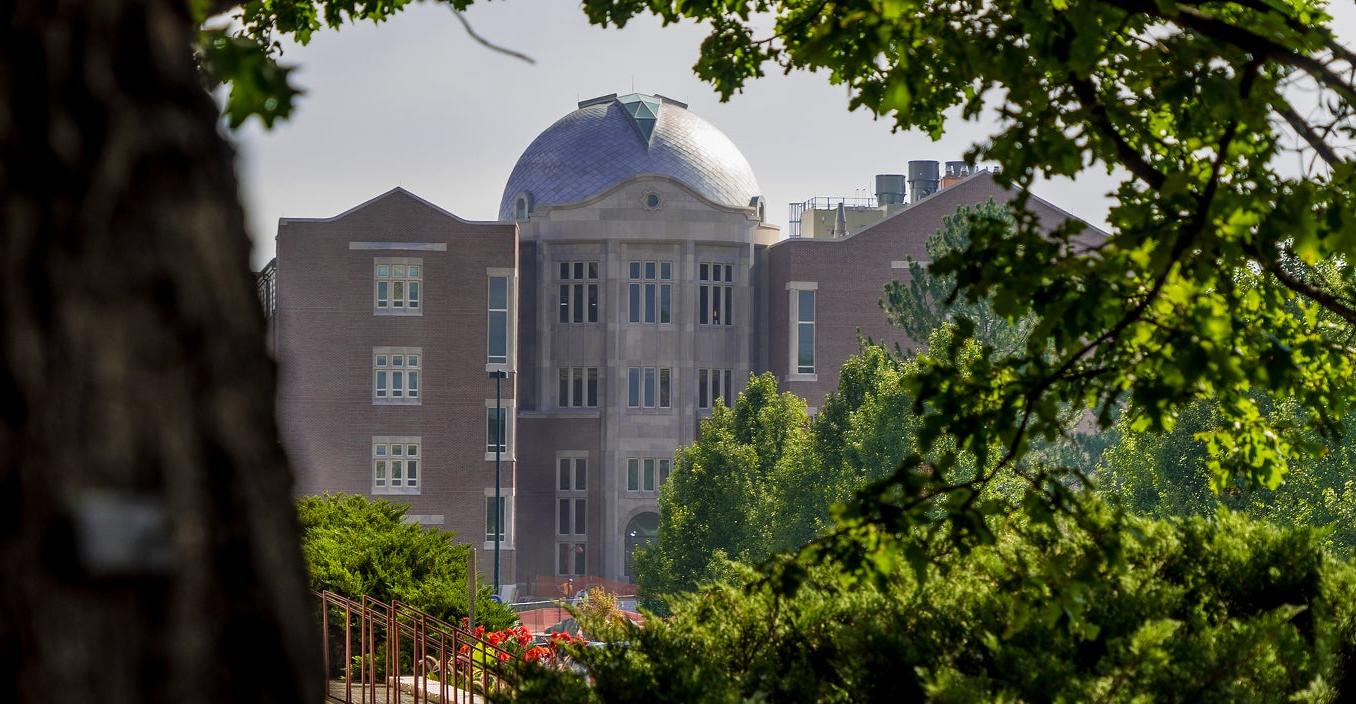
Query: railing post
<point>348,652</point>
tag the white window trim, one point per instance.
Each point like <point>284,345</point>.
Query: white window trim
<point>389,490</point>
<point>793,289</point>
<point>510,520</point>
<point>511,335</point>
<point>389,400</point>
<point>399,261</point>
<point>507,454</point>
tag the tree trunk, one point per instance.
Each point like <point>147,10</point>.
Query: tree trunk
<point>148,543</point>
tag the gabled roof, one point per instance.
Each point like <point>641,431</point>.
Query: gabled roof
<point>397,192</point>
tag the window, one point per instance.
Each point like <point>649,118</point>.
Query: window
<point>649,387</point>
<point>713,384</point>
<point>715,294</point>
<point>395,374</point>
<point>571,559</point>
<point>578,387</point>
<point>395,465</point>
<point>398,285</point>
<point>578,292</point>
<point>803,349</point>
<point>496,429</point>
<point>571,496</point>
<point>650,292</point>
<point>497,522</point>
<point>646,473</point>
<point>498,320</point>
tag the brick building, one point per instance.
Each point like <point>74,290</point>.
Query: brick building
<point>629,283</point>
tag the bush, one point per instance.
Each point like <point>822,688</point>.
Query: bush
<point>357,546</point>
<point>1190,610</point>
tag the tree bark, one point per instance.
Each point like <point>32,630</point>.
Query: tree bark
<point>148,540</point>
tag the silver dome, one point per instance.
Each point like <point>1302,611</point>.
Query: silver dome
<point>604,143</point>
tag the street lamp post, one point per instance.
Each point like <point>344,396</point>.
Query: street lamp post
<point>499,431</point>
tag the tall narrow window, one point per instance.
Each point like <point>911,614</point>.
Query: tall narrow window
<point>578,292</point>
<point>395,374</point>
<point>497,521</point>
<point>571,511</point>
<point>649,387</point>
<point>646,474</point>
<point>805,332</point>
<point>498,320</point>
<point>713,385</point>
<point>649,292</point>
<point>396,465</point>
<point>496,429</point>
<point>715,294</point>
<point>398,284</point>
<point>578,387</point>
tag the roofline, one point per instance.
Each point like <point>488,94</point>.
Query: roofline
<point>591,200</point>
<point>393,191</point>
<point>911,206</point>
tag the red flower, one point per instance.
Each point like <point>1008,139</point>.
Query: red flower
<point>495,638</point>
<point>480,631</point>
<point>537,653</point>
<point>524,639</point>
<point>503,657</point>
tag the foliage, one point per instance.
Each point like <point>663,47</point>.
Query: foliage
<point>1185,610</point>
<point>718,500</point>
<point>1162,474</point>
<point>1222,274</point>
<point>927,300</point>
<point>599,606</point>
<point>357,547</point>
<point>244,54</point>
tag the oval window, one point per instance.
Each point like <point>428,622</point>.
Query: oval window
<point>652,201</point>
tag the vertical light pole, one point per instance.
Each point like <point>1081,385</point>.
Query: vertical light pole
<point>499,431</point>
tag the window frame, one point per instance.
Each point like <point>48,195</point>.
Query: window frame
<point>649,292</point>
<point>411,302</point>
<point>650,388</point>
<point>647,474</point>
<point>797,290</point>
<point>715,294</point>
<point>387,451</point>
<point>578,302</point>
<point>584,395</point>
<point>385,373</point>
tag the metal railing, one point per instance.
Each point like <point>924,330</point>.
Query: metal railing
<point>404,655</point>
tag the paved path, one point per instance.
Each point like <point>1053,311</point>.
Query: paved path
<point>378,694</point>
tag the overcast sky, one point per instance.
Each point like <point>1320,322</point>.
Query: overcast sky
<point>416,103</point>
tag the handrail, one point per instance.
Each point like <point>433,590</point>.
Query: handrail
<point>402,648</point>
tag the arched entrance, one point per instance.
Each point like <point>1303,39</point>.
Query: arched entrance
<point>641,530</point>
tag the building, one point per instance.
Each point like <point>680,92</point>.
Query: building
<point>629,284</point>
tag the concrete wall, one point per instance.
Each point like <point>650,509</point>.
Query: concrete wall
<point>613,229</point>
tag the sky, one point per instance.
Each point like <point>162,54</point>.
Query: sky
<point>415,102</point>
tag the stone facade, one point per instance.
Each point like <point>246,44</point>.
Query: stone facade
<point>608,346</point>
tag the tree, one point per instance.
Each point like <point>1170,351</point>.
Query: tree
<point>927,300</point>
<point>150,538</point>
<point>1211,282</point>
<point>717,505</point>
<point>359,547</point>
<point>1162,475</point>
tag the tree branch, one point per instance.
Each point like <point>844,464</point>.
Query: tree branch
<point>1086,93</point>
<point>1306,131</point>
<point>1329,302</point>
<point>488,44</point>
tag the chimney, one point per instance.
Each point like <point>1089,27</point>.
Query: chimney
<point>956,171</point>
<point>889,189</point>
<point>922,180</point>
<point>840,222</point>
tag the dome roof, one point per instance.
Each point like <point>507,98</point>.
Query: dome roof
<point>612,139</point>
